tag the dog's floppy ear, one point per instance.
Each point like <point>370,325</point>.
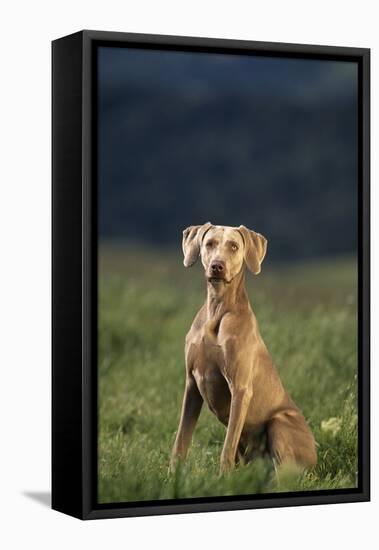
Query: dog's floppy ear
<point>192,238</point>
<point>255,248</point>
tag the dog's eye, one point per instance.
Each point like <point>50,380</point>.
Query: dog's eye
<point>234,247</point>
<point>209,244</point>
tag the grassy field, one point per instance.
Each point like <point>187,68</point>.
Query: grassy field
<point>147,300</point>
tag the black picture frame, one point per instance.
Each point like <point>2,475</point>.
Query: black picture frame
<point>74,274</point>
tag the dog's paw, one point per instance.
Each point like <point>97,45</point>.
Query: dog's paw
<point>174,465</point>
<point>226,464</point>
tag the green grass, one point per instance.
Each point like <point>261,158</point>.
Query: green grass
<point>147,300</point>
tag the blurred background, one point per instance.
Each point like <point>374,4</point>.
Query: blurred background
<point>271,143</point>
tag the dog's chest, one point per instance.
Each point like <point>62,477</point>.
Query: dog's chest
<point>207,361</point>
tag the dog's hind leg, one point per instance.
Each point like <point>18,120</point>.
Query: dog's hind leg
<point>290,440</point>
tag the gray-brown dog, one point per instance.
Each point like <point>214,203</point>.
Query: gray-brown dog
<point>227,363</point>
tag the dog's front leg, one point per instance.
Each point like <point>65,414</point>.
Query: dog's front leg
<point>192,403</point>
<point>240,399</point>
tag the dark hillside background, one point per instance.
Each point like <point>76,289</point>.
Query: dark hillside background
<point>270,143</point>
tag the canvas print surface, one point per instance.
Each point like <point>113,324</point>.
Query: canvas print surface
<point>227,213</point>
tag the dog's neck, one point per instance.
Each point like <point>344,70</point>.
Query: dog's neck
<point>224,297</point>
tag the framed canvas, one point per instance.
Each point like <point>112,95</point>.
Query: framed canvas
<point>242,382</point>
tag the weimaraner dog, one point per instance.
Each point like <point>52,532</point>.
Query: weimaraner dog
<point>227,363</point>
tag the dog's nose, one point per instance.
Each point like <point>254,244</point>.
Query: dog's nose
<point>217,267</point>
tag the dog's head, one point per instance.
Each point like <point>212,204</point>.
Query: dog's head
<point>223,250</point>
